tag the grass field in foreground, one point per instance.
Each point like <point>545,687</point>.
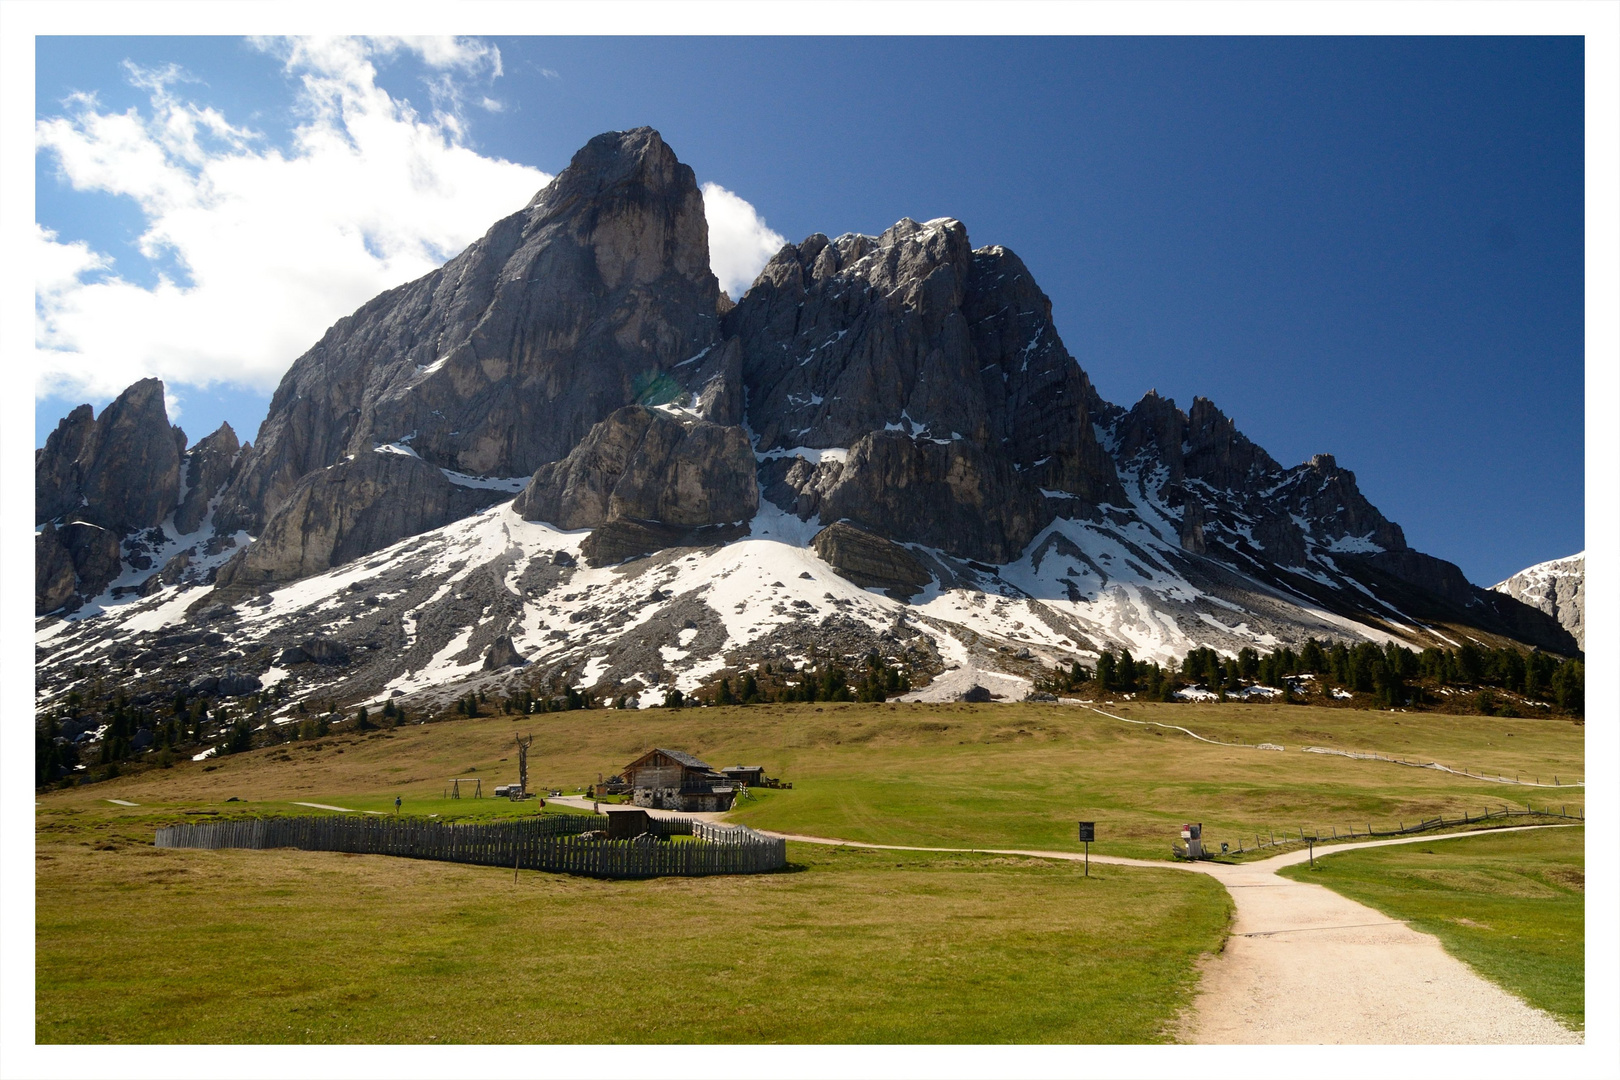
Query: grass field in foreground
<point>137,944</point>
<point>937,775</point>
<point>1511,905</point>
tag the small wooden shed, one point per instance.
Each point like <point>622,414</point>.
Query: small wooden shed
<point>627,823</point>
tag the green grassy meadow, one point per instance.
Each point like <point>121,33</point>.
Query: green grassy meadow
<point>1511,905</point>
<point>139,944</point>
<point>136,944</point>
<point>935,775</point>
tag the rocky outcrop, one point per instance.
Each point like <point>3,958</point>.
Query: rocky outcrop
<point>666,475</point>
<point>871,561</point>
<point>120,470</point>
<point>1434,575</point>
<point>77,561</point>
<point>315,650</point>
<point>621,539</point>
<point>1192,525</point>
<point>1556,588</point>
<point>904,389</point>
<point>349,510</point>
<point>916,332</point>
<point>949,495</point>
<point>1232,498</point>
<point>501,654</point>
<point>59,465</point>
<point>717,393</point>
<point>55,581</point>
<point>101,479</point>
<point>1426,588</point>
<point>208,468</point>
<point>1329,498</point>
<point>506,357</point>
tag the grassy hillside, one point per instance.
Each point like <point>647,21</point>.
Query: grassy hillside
<point>1511,905</point>
<point>946,775</point>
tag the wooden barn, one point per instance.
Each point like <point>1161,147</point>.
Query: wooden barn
<point>671,780</point>
<point>747,775</point>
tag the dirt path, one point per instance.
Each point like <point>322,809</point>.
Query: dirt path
<point>1306,965</point>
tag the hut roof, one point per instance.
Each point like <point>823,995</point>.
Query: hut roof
<point>676,755</point>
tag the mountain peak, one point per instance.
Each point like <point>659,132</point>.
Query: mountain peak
<point>505,357</point>
<point>615,158</point>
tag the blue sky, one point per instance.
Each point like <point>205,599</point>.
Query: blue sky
<point>1370,247</point>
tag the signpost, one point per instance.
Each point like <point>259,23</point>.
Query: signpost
<point>1088,833</point>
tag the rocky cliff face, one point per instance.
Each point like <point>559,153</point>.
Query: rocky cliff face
<point>1198,470</point>
<point>1556,588</point>
<point>208,469</point>
<point>950,495</point>
<point>666,474</point>
<point>348,510</point>
<point>108,494</point>
<point>119,470</point>
<point>896,345</point>
<point>504,358</point>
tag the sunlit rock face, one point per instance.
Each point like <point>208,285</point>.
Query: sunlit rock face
<point>505,357</point>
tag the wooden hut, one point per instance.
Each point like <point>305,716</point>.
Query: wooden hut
<point>672,780</point>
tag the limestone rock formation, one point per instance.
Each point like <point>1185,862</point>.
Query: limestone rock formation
<point>622,538</point>
<point>1199,468</point>
<point>55,580</point>
<point>871,561</point>
<point>110,483</point>
<point>905,396</point>
<point>668,475</point>
<point>351,509</point>
<point>915,334</point>
<point>77,561</point>
<point>120,470</point>
<point>502,654</point>
<point>315,650</point>
<point>58,483</point>
<point>1557,588</point>
<point>950,495</point>
<point>505,357</point>
<point>208,468</point>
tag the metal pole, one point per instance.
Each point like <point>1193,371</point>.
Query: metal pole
<point>1088,858</point>
<point>1312,844</point>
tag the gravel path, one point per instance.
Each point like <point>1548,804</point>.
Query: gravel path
<point>1306,965</point>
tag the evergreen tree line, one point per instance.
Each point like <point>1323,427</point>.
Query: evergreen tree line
<point>1393,674</point>
<point>773,681</point>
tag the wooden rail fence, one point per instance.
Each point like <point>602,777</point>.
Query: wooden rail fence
<point>545,842</point>
<point>1296,836</point>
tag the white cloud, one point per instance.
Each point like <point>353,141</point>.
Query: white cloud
<point>275,245</point>
<point>740,243</point>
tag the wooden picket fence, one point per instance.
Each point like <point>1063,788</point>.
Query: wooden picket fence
<point>545,842</point>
